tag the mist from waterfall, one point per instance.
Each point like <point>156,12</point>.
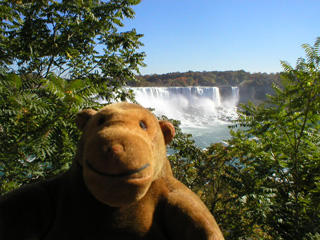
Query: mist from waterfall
<point>193,106</point>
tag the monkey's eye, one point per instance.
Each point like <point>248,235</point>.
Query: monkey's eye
<point>143,125</point>
<point>101,121</point>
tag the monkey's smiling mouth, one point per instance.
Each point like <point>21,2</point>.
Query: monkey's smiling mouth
<point>124,174</point>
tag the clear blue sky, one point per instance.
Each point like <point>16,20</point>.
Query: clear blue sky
<point>219,35</point>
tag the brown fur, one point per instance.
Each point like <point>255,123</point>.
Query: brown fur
<point>120,187</point>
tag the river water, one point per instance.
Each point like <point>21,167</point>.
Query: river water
<point>204,136</point>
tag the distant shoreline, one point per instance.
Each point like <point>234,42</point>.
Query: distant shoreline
<point>205,78</point>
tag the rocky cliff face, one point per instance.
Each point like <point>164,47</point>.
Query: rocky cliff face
<point>256,94</point>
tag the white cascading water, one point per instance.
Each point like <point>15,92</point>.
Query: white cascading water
<point>193,106</point>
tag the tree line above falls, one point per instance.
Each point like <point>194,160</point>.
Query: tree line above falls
<point>211,78</point>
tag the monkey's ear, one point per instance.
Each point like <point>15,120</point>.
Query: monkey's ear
<point>167,130</point>
<point>83,117</point>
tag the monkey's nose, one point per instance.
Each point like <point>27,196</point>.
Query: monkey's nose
<point>116,149</point>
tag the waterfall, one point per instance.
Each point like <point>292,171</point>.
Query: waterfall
<point>235,96</point>
<point>193,106</point>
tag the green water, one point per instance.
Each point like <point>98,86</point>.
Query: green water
<point>204,136</point>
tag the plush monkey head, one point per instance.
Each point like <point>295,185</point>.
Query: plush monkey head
<point>122,151</point>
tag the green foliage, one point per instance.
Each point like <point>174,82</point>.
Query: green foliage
<point>266,183</point>
<point>37,130</point>
<point>214,174</point>
<point>64,37</point>
<point>50,69</point>
<point>279,153</point>
<point>186,159</point>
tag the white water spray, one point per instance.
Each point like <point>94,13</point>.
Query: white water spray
<point>193,106</point>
